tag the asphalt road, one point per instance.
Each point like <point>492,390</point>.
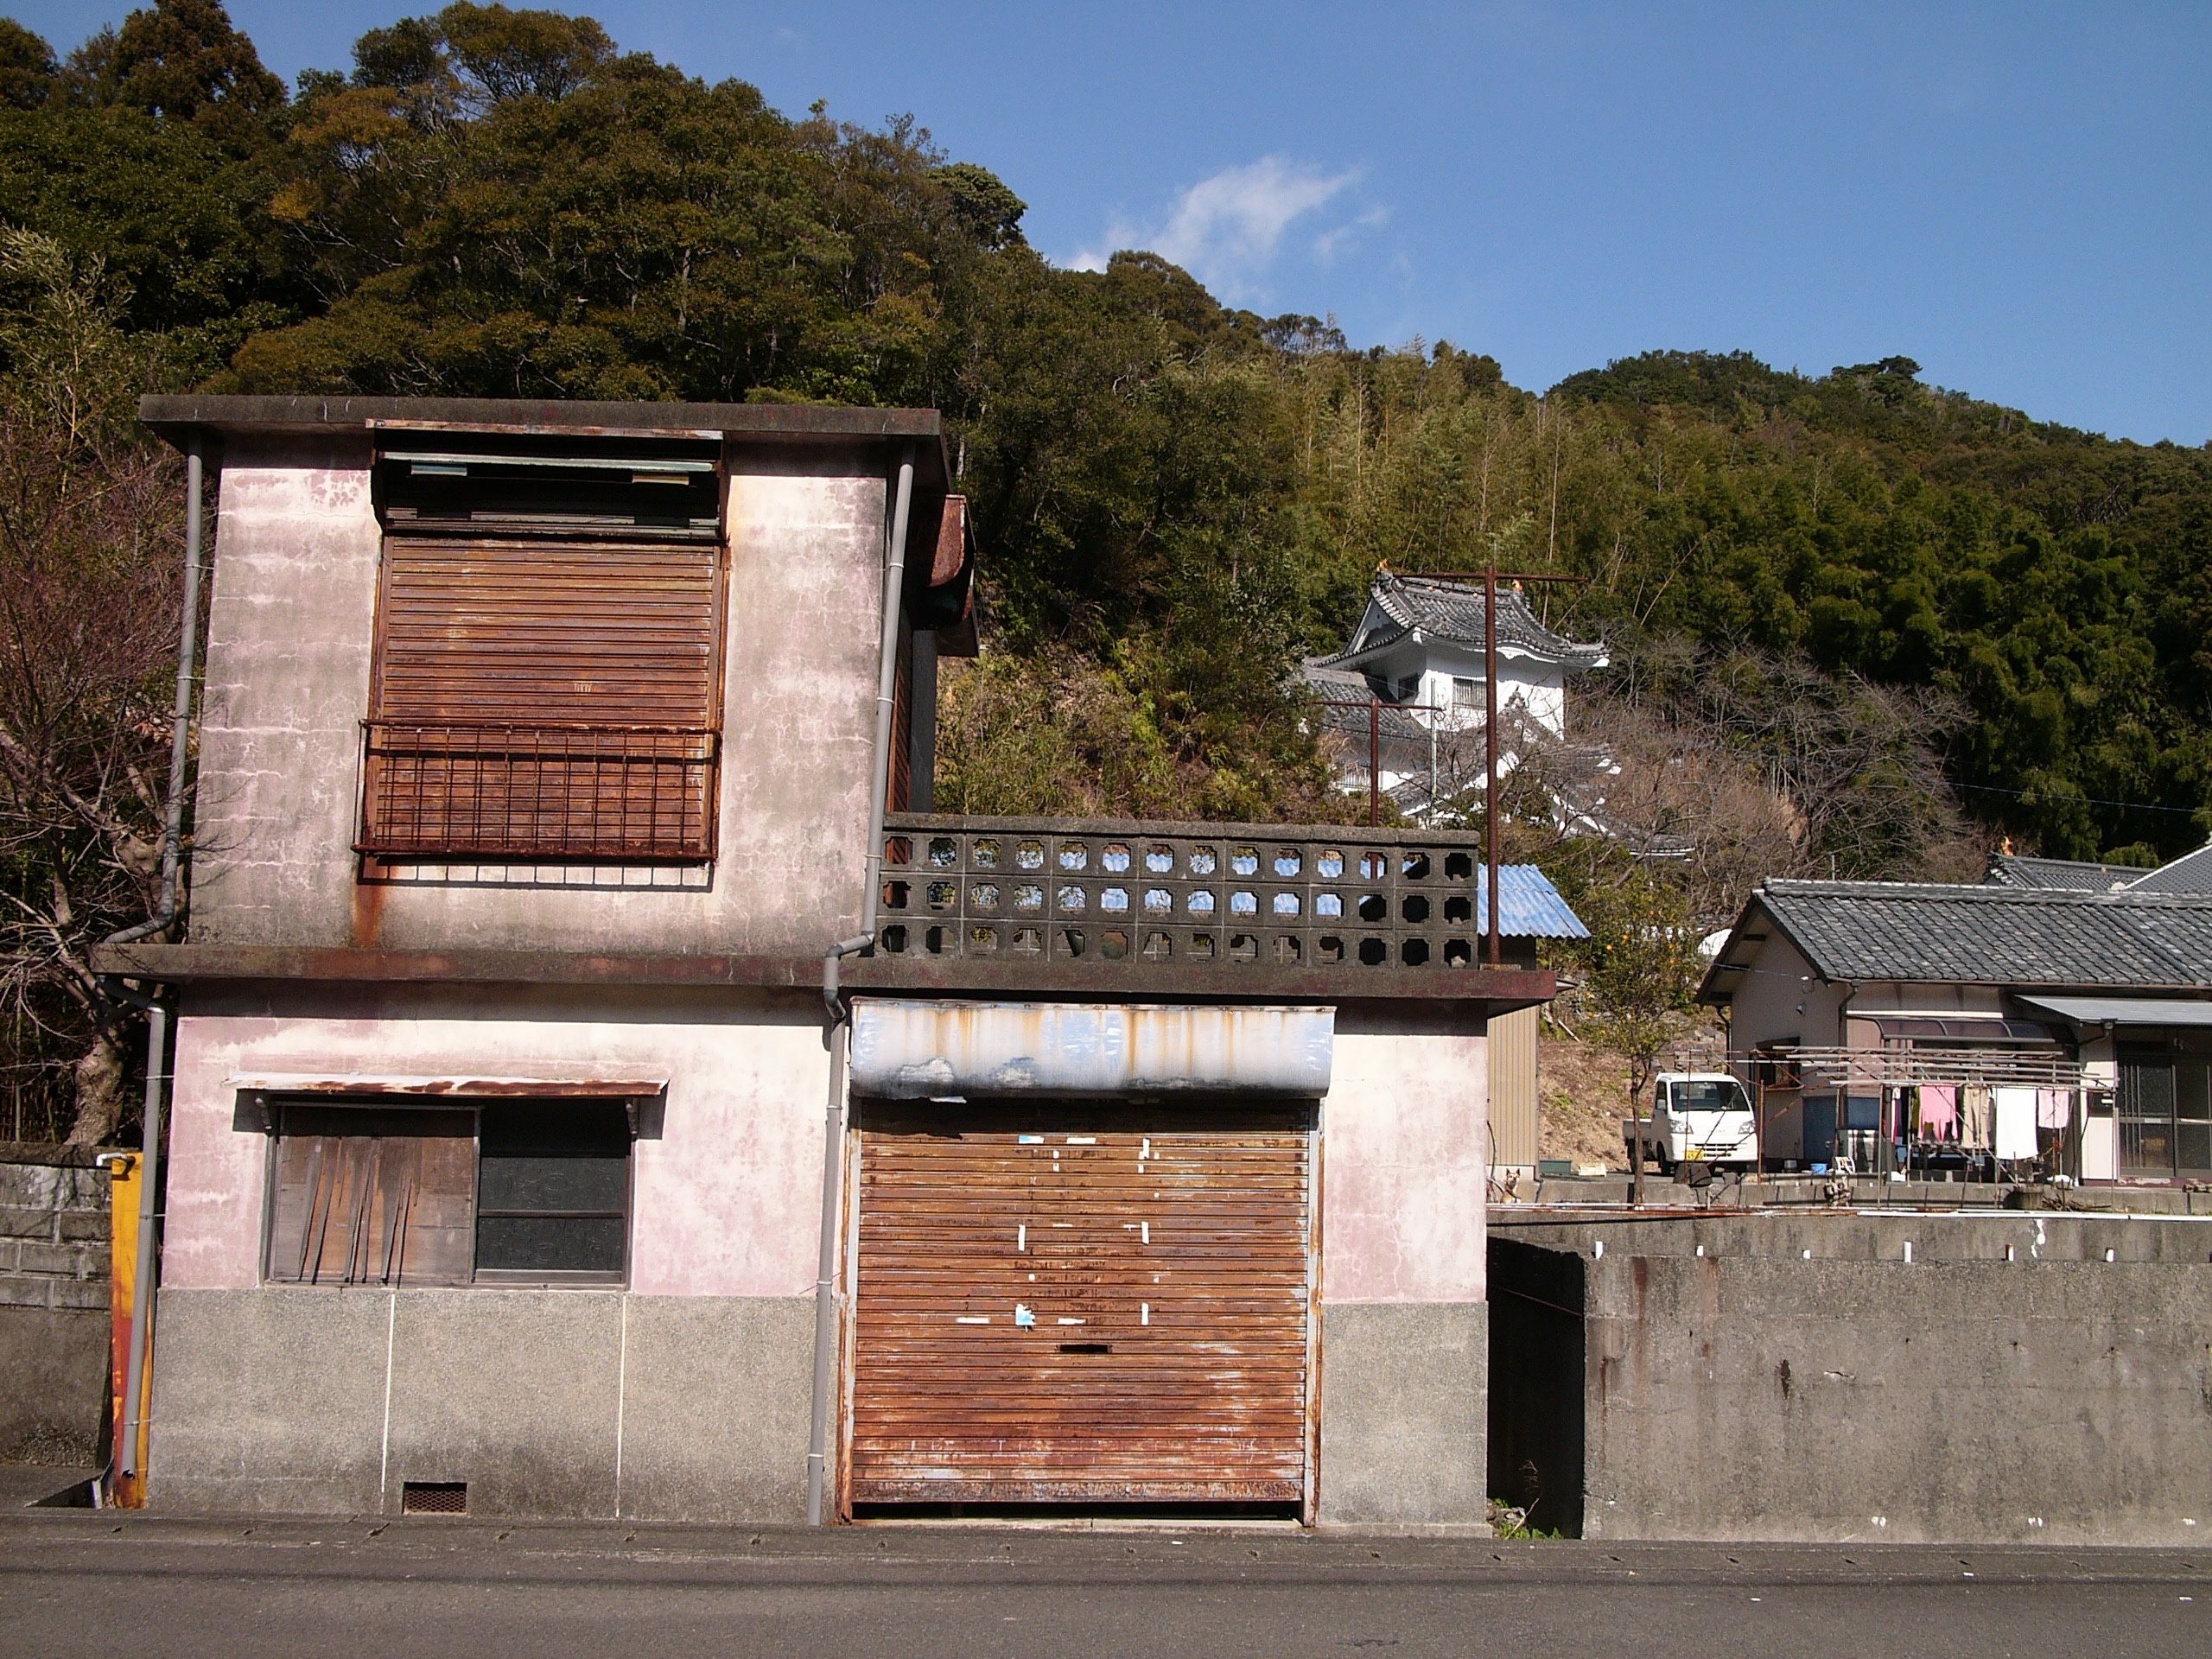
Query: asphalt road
<point>92,1583</point>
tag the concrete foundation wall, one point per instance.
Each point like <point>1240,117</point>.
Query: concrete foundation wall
<point>291,641</point>
<point>578,1404</point>
<point>53,1304</point>
<point>1892,1379</point>
<point>1403,1423</point>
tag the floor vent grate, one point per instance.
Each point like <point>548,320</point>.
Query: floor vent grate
<point>433,1497</point>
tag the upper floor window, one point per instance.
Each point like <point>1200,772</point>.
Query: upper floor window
<point>1465,693</point>
<point>549,646</point>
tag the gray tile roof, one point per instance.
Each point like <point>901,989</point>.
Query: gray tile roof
<point>1454,611</point>
<point>1338,685</point>
<point>2192,873</point>
<point>1989,935</point>
<point>2012,870</point>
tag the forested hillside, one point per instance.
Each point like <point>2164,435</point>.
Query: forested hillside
<point>1871,623</point>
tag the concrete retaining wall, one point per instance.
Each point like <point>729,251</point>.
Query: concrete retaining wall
<point>1963,1378</point>
<point>54,1304</point>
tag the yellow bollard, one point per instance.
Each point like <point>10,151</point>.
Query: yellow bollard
<point>123,1492</point>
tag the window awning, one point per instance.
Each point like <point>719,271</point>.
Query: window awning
<point>925,1050</point>
<point>2125,1010</point>
<point>2012,1032</point>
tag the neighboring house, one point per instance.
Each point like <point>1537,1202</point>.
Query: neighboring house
<point>1418,652</point>
<point>2035,1019</point>
<point>534,1152</point>
<point>2010,869</point>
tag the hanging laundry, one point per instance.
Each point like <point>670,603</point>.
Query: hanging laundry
<point>1977,1117</point>
<point>2016,1122</point>
<point>2054,1107</point>
<point>1939,1110</point>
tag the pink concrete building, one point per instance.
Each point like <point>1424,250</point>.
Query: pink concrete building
<point>603,1086</point>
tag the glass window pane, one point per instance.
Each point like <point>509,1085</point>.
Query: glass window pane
<point>2193,1088</point>
<point>541,1244</point>
<point>553,1187</point>
<point>2193,1148</point>
<point>539,1181</point>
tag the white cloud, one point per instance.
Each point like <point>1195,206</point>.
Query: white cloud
<point>1226,230</point>
<point>1337,239</point>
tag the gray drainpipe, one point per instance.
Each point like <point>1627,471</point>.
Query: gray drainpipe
<point>833,1127</point>
<point>125,1457</point>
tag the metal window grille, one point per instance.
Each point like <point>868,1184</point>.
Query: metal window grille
<point>490,790</point>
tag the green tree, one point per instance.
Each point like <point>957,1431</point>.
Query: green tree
<point>27,70</point>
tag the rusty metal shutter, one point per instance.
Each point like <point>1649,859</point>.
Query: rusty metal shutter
<point>1083,1305</point>
<point>540,697</point>
<point>587,633</point>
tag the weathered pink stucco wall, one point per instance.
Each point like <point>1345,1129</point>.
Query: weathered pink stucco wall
<point>290,648</point>
<point>1403,1171</point>
<point>731,1183</point>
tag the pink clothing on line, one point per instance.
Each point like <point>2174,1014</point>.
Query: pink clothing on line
<point>1939,1110</point>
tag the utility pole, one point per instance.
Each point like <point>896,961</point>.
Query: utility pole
<point>1491,575</point>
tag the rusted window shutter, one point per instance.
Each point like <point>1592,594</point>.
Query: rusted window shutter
<point>540,697</point>
<point>374,1197</point>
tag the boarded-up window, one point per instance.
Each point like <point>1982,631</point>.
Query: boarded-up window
<point>548,657</point>
<point>392,1195</point>
<point>372,1197</point>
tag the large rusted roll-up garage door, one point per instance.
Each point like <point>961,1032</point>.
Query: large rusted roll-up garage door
<point>1086,1305</point>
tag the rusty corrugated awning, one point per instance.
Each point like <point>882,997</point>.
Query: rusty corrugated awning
<point>917,1050</point>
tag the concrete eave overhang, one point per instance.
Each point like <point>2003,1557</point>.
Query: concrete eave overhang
<point>176,416</point>
<point>1500,989</point>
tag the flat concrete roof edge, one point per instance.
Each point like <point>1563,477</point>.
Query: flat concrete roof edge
<point>174,414</point>
<point>1499,989</point>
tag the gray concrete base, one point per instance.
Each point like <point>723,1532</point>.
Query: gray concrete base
<point>1404,1418</point>
<point>556,1403</point>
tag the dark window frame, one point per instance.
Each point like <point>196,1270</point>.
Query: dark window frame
<point>276,1108</point>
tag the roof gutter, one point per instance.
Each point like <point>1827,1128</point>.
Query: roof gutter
<point>833,1125</point>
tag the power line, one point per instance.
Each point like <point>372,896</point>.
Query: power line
<point>2092,800</point>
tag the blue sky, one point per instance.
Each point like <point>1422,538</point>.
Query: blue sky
<point>2019,196</point>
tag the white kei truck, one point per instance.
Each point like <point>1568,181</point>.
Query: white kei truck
<point>1697,1117</point>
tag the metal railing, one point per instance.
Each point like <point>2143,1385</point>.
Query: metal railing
<point>1280,895</point>
<point>462,789</point>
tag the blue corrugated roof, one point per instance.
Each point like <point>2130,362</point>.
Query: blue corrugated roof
<point>1529,907</point>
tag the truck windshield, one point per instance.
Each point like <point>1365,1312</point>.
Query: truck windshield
<point>1709,1096</point>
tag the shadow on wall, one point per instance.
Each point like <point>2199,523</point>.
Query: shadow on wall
<point>1536,1384</point>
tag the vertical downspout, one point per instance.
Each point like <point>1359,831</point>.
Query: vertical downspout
<point>157,1019</point>
<point>833,1127</point>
